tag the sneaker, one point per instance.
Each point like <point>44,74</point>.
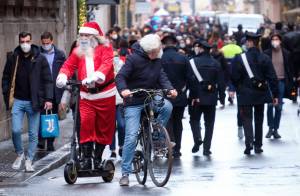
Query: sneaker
<point>18,162</point>
<point>28,166</point>
<point>124,181</point>
<point>240,133</point>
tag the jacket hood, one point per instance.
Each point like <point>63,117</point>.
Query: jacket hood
<point>35,51</point>
<point>136,48</point>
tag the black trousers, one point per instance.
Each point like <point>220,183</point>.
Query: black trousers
<point>209,112</point>
<point>247,119</point>
<point>174,126</point>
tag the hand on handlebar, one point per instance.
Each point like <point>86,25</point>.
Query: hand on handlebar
<point>126,93</point>
<point>172,93</point>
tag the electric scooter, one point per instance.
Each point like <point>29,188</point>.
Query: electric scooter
<point>72,169</point>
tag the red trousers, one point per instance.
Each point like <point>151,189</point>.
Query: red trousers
<point>97,120</point>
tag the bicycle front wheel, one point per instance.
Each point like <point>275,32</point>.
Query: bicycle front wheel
<point>160,159</point>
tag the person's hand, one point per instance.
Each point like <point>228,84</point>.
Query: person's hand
<point>172,93</point>
<point>88,82</point>
<point>126,93</point>
<point>61,80</point>
<point>231,94</point>
<point>62,106</point>
<point>195,102</point>
<point>275,101</point>
<point>48,105</point>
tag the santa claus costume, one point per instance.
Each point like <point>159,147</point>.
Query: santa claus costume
<point>94,61</point>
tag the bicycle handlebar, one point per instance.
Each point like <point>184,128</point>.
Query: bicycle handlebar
<point>74,82</point>
<point>150,91</point>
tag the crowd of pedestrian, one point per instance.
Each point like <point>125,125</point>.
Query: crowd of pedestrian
<point>197,61</point>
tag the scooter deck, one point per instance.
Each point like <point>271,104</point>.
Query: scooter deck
<point>94,173</point>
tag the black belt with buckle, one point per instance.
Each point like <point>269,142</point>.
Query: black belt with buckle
<point>98,89</point>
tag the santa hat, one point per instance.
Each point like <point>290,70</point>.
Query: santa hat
<point>91,28</point>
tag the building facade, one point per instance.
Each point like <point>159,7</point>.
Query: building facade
<point>35,16</point>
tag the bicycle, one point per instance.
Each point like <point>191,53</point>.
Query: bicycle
<point>153,148</point>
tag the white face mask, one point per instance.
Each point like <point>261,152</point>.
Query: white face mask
<point>84,44</point>
<point>114,36</point>
<point>26,47</point>
<point>160,54</point>
<point>182,45</point>
<point>47,47</point>
<point>275,44</point>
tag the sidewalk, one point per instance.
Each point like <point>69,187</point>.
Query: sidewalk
<point>44,161</point>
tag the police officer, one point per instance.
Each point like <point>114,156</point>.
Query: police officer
<point>175,66</point>
<point>205,85</point>
<point>253,76</point>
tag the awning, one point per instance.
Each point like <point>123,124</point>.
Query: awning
<point>98,2</point>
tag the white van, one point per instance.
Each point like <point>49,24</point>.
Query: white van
<point>250,22</point>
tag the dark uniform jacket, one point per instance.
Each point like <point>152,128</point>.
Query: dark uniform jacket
<point>58,61</point>
<point>288,69</point>
<point>211,71</point>
<point>262,68</point>
<point>176,67</point>
<point>141,72</point>
<point>40,80</point>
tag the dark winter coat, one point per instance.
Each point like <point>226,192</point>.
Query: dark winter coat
<point>41,83</point>
<point>262,68</point>
<point>141,72</point>
<point>176,67</point>
<point>211,71</point>
<point>288,70</point>
<point>58,61</point>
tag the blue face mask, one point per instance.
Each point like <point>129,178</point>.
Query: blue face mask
<point>47,47</point>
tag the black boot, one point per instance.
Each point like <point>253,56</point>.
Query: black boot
<point>86,163</point>
<point>270,133</point>
<point>276,134</point>
<point>99,148</point>
<point>197,144</point>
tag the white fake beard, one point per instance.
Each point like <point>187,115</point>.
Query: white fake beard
<point>89,52</point>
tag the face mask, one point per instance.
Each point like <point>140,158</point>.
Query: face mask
<point>84,44</point>
<point>126,34</point>
<point>116,60</point>
<point>275,44</point>
<point>114,36</point>
<point>160,54</point>
<point>47,47</point>
<point>244,47</point>
<point>26,47</point>
<point>182,45</point>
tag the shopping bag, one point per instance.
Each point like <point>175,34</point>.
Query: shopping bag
<point>49,125</point>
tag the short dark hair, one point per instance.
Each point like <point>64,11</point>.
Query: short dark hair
<point>47,35</point>
<point>24,34</point>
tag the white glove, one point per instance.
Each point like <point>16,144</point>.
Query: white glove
<point>61,80</point>
<point>89,82</point>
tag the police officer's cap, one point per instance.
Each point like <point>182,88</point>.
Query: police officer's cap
<point>252,36</point>
<point>169,38</point>
<point>202,43</point>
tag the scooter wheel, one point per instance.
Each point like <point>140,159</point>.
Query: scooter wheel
<point>110,168</point>
<point>70,174</point>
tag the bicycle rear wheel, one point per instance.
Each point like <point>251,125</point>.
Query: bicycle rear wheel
<point>160,159</point>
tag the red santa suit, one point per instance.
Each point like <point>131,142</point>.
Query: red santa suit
<point>97,109</point>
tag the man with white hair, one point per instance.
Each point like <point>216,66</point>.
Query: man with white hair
<point>142,69</point>
<point>94,61</point>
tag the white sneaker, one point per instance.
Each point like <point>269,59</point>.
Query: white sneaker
<point>18,162</point>
<point>28,166</point>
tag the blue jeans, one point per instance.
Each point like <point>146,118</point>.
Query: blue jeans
<point>132,123</point>
<point>18,110</point>
<point>120,127</point>
<point>274,119</point>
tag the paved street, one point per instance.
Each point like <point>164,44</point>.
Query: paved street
<point>228,172</point>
